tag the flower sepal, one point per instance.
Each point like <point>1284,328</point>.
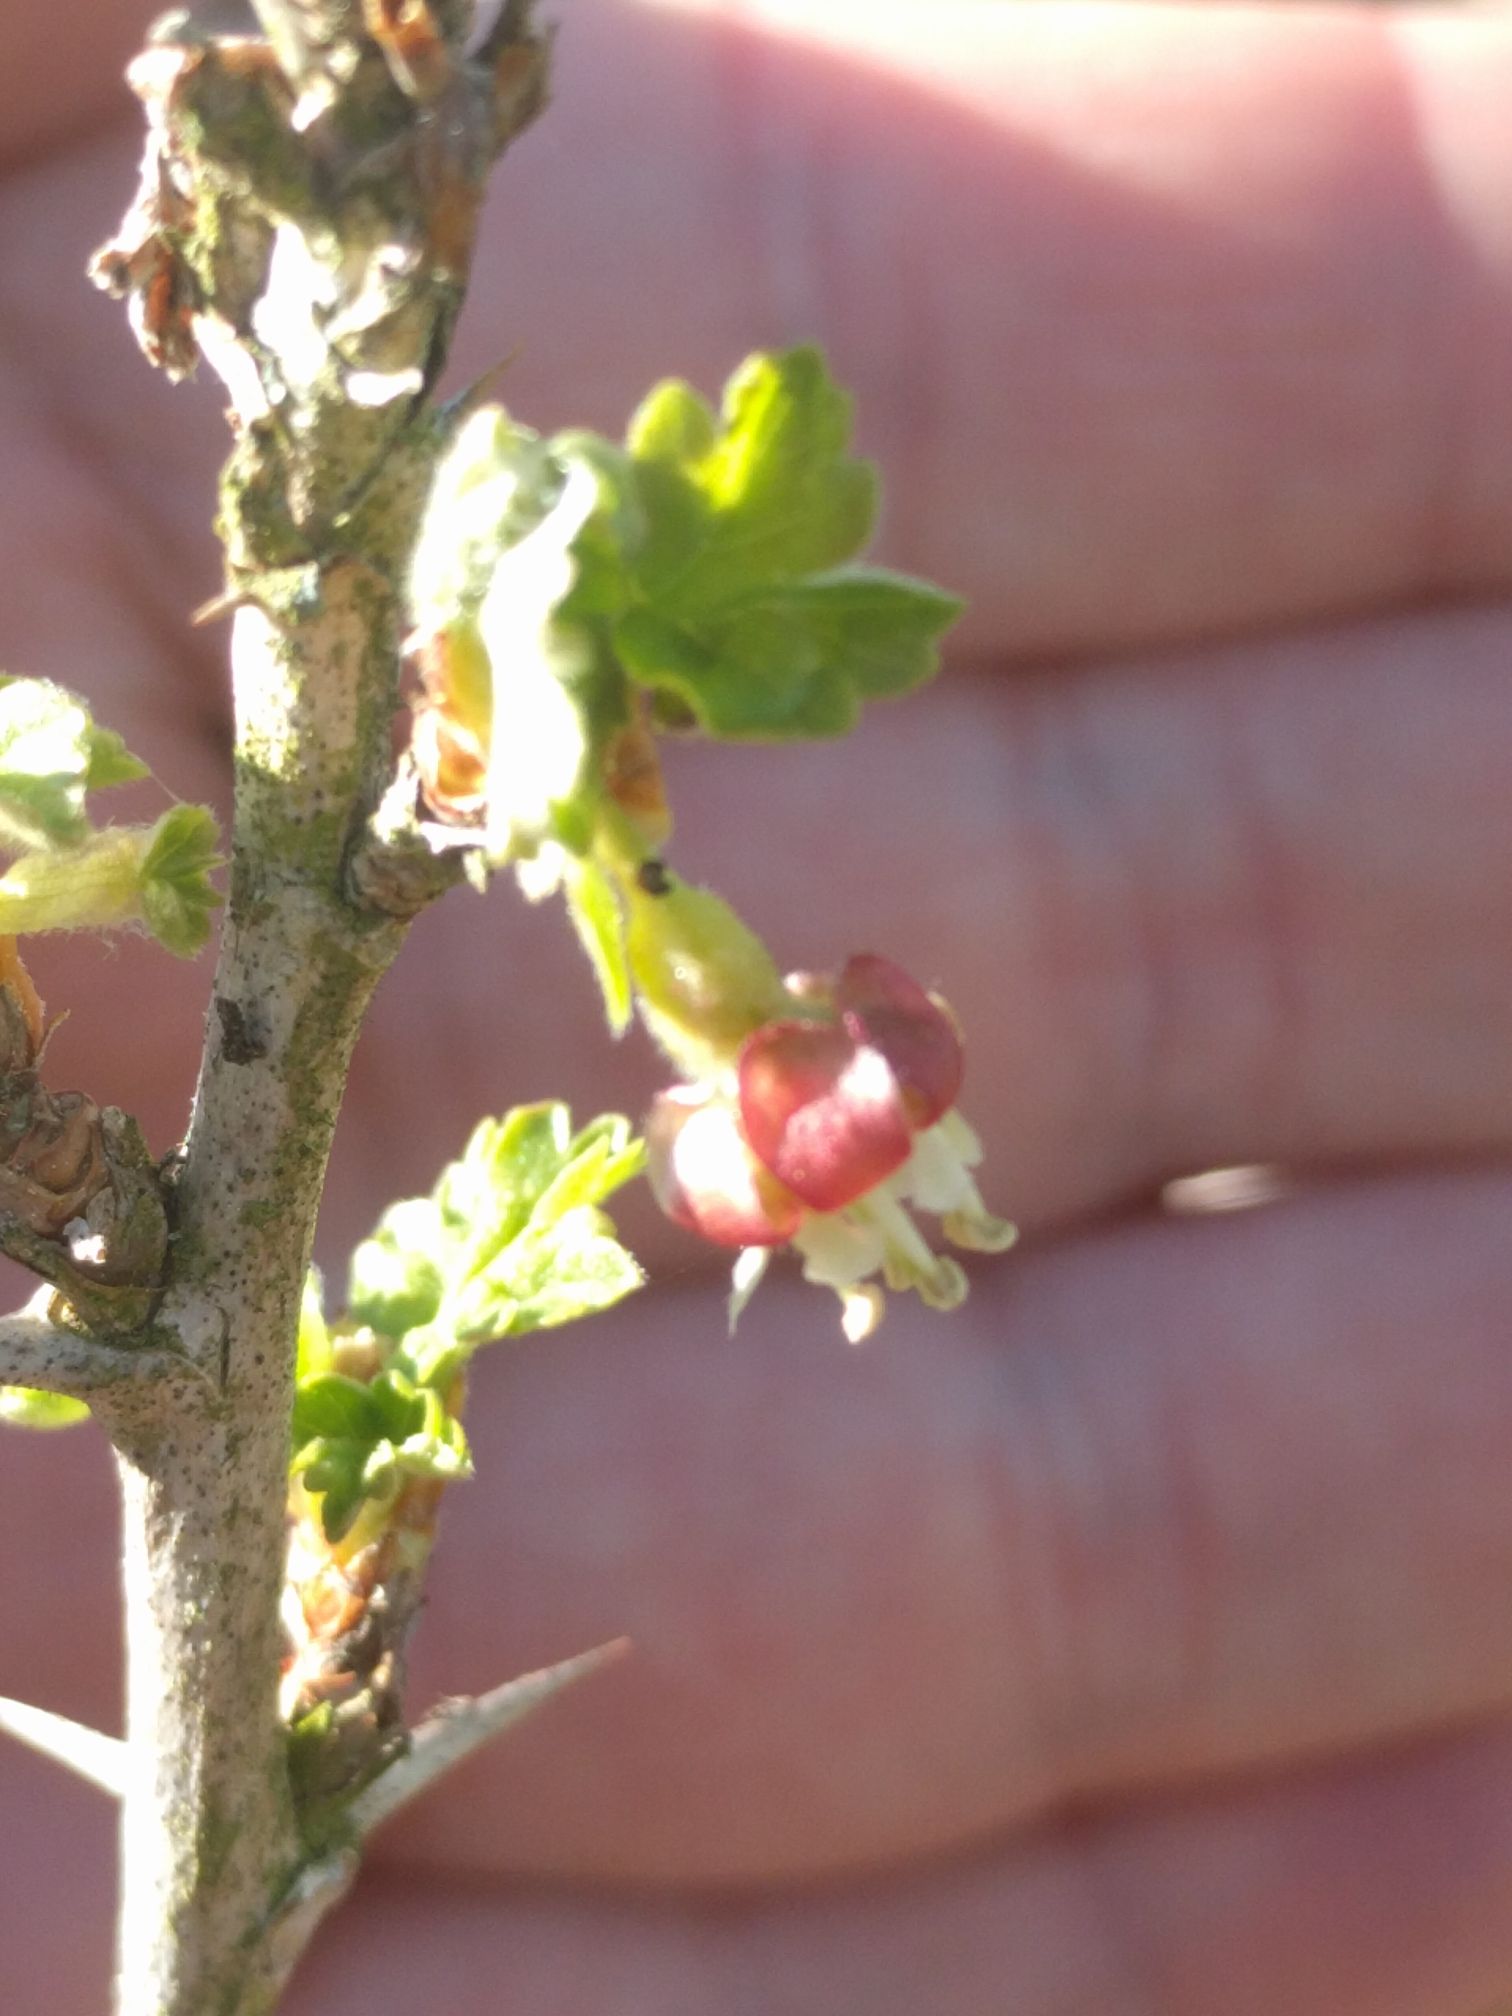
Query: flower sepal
<point>829,1126</point>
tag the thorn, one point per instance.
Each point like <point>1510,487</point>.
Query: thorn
<point>317,1889</point>
<point>471,397</point>
<point>457,1728</point>
<point>225,604</point>
<point>91,1754</point>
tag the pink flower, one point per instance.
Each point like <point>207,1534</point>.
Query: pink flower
<point>831,1122</point>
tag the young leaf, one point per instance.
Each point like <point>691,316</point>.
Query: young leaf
<point>519,567</point>
<point>776,493</point>
<point>334,1469</point>
<point>553,694</point>
<point>313,1352</point>
<point>157,875</point>
<point>396,1280</point>
<point>494,485</point>
<point>335,1408</point>
<point>600,925</point>
<point>25,1407</point>
<point>746,618</point>
<point>95,885</point>
<point>514,1221</point>
<point>511,1240</point>
<point>110,761</point>
<point>177,895</point>
<point>547,1278</point>
<point>51,753</point>
<point>366,1440</point>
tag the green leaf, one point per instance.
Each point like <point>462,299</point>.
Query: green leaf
<point>776,492</point>
<point>96,885</point>
<point>47,745</point>
<point>177,895</point>
<point>527,1170</point>
<point>437,1449</point>
<point>313,1352</point>
<point>436,1452</point>
<point>396,1282</point>
<point>521,565</point>
<point>549,1278</point>
<point>110,762</point>
<point>511,1240</point>
<point>334,1469</point>
<point>494,485</point>
<point>746,618</point>
<point>120,875</point>
<point>600,925</point>
<point>432,1355</point>
<point>68,875</point>
<point>556,692</point>
<point>330,1406</point>
<point>672,424</point>
<point>399,1404</point>
<point>598,1161</point>
<point>613,532</point>
<point>453,1270</point>
<point>487,1196</point>
<point>25,1407</point>
<point>796,660</point>
<point>354,1442</point>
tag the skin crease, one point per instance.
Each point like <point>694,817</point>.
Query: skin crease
<point>1138,1639</point>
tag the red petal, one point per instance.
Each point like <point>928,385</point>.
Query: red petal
<point>824,1113</point>
<point>882,1005</point>
<point>706,1178</point>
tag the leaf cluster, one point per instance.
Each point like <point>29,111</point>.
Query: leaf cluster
<point>69,874</point>
<point>709,564</point>
<point>512,1239</point>
<point>748,615</point>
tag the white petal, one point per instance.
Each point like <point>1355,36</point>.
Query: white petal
<point>861,1311</point>
<point>836,1251</point>
<point>745,1278</point>
<point>935,1177</point>
<point>962,1137</point>
<point>906,1252</point>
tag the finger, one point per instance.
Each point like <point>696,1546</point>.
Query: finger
<point>56,1886</point>
<point>1171,1502</point>
<point>1384,1890</point>
<point>1249,906</point>
<point>60,1574</point>
<point>64,70</point>
<point>1161,319</point>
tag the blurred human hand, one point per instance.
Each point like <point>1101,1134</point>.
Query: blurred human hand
<point>1138,1640</point>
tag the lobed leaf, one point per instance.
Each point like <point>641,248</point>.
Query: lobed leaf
<point>51,754</point>
<point>746,618</point>
<point>510,1239</point>
<point>356,1442</point>
<point>177,895</point>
